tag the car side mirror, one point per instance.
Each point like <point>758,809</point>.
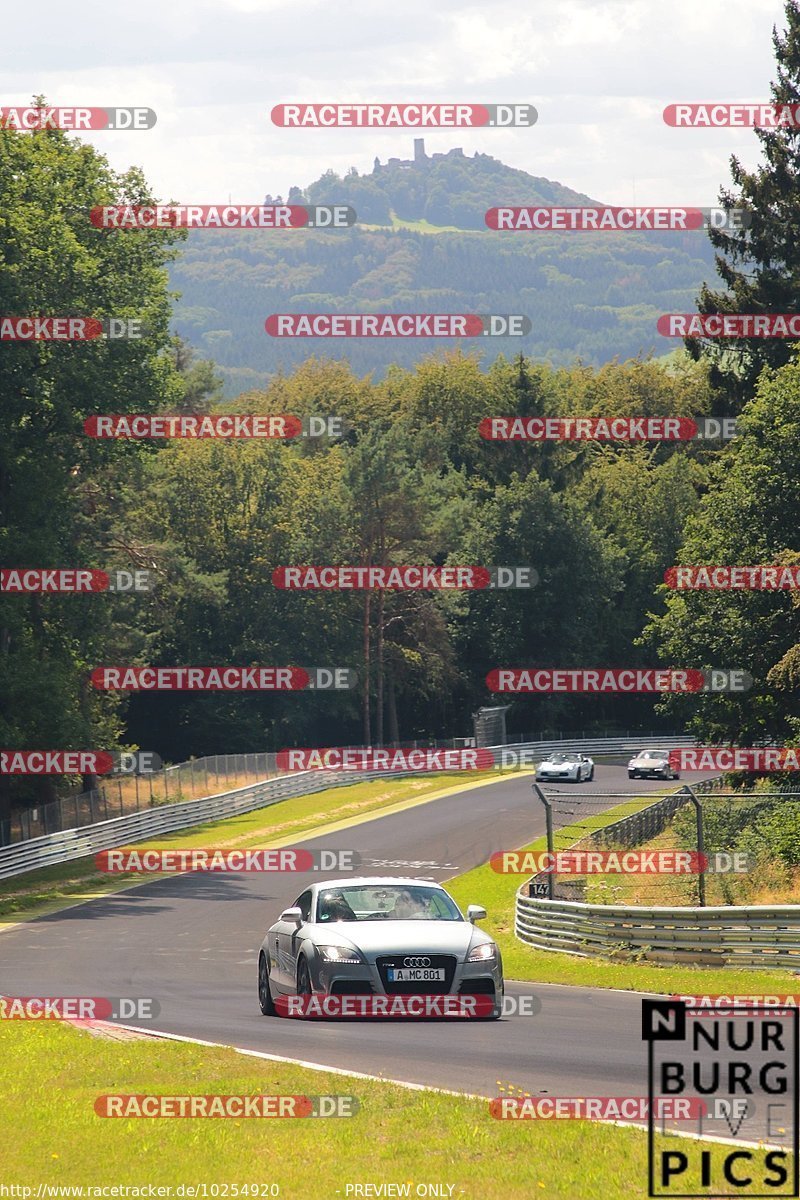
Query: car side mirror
<point>475,912</point>
<point>293,915</point>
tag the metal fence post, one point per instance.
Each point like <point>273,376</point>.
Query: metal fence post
<point>548,822</point>
<point>701,845</point>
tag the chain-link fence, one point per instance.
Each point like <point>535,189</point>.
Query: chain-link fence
<point>192,780</point>
<point>126,794</point>
<point>744,847</point>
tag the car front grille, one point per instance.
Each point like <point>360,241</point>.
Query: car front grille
<point>432,987</point>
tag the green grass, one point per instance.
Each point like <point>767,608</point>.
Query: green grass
<point>46,890</point>
<point>497,894</point>
<point>51,1074</point>
<point>420,226</point>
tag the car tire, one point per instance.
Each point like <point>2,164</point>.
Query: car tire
<point>590,776</point>
<point>631,774</point>
<point>303,977</point>
<point>265,1001</point>
<point>677,775</point>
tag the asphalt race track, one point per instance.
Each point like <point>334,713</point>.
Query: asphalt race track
<point>191,942</point>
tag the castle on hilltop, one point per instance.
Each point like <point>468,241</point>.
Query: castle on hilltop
<point>420,157</point>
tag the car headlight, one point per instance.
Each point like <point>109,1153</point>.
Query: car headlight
<point>482,953</point>
<point>340,954</point>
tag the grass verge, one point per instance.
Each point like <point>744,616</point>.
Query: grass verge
<point>51,1074</point>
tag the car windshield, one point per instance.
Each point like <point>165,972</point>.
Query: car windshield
<point>654,754</point>
<point>385,902</point>
<point>563,758</point>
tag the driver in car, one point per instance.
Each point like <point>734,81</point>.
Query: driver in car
<point>407,907</point>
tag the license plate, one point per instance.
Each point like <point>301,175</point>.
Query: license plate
<point>414,974</point>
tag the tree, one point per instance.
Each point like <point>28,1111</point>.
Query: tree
<point>760,264</point>
<point>751,515</point>
<point>55,262</point>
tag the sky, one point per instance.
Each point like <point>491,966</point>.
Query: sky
<point>598,71</point>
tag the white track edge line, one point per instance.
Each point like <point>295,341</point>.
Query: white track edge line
<point>404,1083</point>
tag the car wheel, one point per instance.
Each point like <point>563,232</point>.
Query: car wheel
<point>590,776</point>
<point>265,1001</point>
<point>676,775</point>
<point>631,774</point>
<point>303,978</point>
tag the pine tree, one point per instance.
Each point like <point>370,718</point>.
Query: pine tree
<point>760,264</point>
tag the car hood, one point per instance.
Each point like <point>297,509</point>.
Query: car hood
<point>408,937</point>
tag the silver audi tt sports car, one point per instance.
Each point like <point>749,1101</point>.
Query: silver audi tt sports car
<point>378,936</point>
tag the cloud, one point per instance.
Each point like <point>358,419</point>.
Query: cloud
<point>599,73</point>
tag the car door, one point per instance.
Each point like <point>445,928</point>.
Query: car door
<point>285,943</point>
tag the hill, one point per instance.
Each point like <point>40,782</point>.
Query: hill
<point>595,296</point>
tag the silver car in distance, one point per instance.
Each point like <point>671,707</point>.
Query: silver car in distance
<point>571,768</point>
<point>654,763</point>
<point>382,937</point>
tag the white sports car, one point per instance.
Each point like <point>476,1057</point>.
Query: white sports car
<point>569,768</point>
<point>382,937</point>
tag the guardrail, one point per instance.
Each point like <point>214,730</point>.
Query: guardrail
<point>726,936</point>
<point>69,844</point>
<point>605,745</point>
<point>752,936</point>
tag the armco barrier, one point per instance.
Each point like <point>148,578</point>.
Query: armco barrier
<point>600,745</point>
<point>70,844</point>
<point>167,818</point>
<point>733,935</point>
<point>751,936</point>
